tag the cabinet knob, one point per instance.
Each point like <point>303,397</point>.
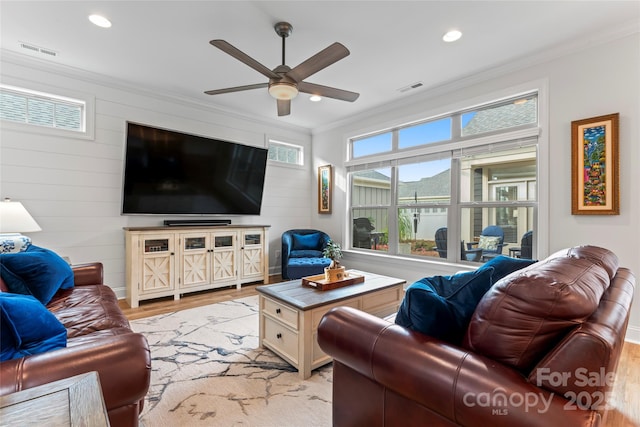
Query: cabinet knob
<point>278,335</point>
<point>278,311</point>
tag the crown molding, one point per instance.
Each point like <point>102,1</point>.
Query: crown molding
<point>565,49</point>
<point>8,56</point>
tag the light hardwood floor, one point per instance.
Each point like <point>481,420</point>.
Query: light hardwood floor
<point>625,411</point>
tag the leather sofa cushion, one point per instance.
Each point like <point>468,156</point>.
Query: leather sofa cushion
<point>27,327</point>
<point>87,310</point>
<point>37,271</point>
<point>525,314</point>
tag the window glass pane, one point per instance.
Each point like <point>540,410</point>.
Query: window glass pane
<point>371,229</point>
<point>512,224</point>
<point>417,231</point>
<point>425,133</point>
<point>424,182</point>
<point>515,113</point>
<point>285,153</point>
<point>373,145</point>
<point>371,187</point>
<point>507,175</point>
<point>68,116</point>
<point>13,107</point>
<point>41,112</point>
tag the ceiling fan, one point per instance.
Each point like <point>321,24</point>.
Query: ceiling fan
<point>285,82</point>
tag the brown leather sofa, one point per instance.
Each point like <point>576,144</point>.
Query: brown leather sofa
<point>541,349</point>
<point>98,339</point>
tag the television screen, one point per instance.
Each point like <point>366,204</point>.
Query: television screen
<point>169,173</point>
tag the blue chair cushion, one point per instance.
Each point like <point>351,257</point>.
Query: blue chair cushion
<point>306,241</point>
<point>441,306</point>
<point>503,266</point>
<point>37,271</point>
<point>27,327</point>
<point>305,253</point>
<point>303,267</point>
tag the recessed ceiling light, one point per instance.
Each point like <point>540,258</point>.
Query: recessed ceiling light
<point>315,98</point>
<point>100,21</point>
<point>452,36</point>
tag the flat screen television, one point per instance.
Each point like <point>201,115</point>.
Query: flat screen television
<point>174,173</point>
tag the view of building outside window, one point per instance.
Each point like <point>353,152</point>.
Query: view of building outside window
<point>405,208</point>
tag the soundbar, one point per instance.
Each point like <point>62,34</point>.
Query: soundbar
<point>195,222</point>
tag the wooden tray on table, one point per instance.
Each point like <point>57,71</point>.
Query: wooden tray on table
<point>320,283</point>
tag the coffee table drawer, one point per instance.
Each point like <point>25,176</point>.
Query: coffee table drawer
<point>318,313</point>
<point>375,300</point>
<point>281,339</point>
<point>281,312</point>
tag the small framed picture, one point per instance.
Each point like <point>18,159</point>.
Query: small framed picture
<point>595,166</point>
<point>325,188</point>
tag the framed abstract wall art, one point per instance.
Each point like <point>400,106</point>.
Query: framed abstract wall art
<point>595,166</point>
<point>325,189</point>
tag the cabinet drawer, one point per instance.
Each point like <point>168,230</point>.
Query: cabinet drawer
<point>321,311</point>
<point>281,312</point>
<point>281,339</point>
<point>377,299</point>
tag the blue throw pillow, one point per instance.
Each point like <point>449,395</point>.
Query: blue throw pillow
<point>27,327</point>
<point>37,271</point>
<point>306,241</point>
<point>441,306</point>
<point>503,266</point>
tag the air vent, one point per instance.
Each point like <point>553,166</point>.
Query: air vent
<point>38,50</point>
<point>410,87</point>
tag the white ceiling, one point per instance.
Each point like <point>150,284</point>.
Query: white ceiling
<point>163,46</point>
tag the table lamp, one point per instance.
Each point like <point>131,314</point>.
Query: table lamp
<point>15,219</point>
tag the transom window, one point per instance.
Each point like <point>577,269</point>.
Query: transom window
<point>284,152</point>
<point>420,189</point>
<point>42,109</point>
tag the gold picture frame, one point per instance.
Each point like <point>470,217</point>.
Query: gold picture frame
<point>325,189</point>
<point>595,163</point>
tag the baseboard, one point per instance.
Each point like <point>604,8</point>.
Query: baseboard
<point>633,334</point>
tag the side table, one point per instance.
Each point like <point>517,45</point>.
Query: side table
<point>75,401</point>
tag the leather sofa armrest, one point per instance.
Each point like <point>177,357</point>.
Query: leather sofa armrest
<point>88,274</point>
<point>464,387</point>
<point>123,363</point>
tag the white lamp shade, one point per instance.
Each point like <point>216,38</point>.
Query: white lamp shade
<point>14,218</point>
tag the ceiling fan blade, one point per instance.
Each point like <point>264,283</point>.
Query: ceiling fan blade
<point>329,92</point>
<point>243,57</point>
<point>317,62</point>
<point>236,89</point>
<point>284,107</point>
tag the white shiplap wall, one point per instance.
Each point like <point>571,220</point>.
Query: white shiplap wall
<point>72,186</point>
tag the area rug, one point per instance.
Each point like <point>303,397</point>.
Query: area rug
<point>208,370</point>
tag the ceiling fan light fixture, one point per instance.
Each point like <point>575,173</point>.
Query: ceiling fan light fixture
<point>283,90</point>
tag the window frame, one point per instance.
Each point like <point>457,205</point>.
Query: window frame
<point>536,130</point>
<point>278,141</point>
<point>34,90</point>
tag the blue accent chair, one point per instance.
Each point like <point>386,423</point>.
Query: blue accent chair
<point>302,253</point>
<point>491,242</point>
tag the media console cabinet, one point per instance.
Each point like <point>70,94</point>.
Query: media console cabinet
<point>171,261</point>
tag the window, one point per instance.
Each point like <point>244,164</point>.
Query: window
<point>285,153</point>
<point>42,109</point>
<point>435,178</point>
